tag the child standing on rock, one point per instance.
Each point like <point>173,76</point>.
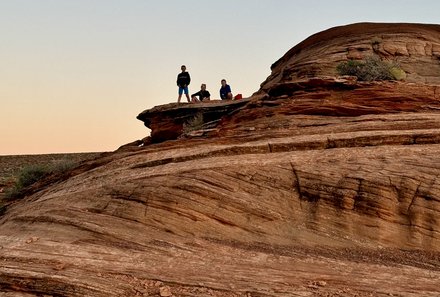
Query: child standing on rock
<point>183,80</point>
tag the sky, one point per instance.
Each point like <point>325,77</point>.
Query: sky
<point>74,74</point>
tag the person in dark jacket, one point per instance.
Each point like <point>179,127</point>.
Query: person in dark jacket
<point>203,94</point>
<point>183,80</point>
<point>225,91</point>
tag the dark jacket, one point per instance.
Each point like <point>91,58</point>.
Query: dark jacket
<point>202,94</point>
<point>183,79</point>
<point>224,92</point>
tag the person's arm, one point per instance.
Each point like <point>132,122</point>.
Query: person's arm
<point>195,94</point>
<point>208,95</point>
<point>189,79</point>
<point>229,92</point>
<point>177,80</point>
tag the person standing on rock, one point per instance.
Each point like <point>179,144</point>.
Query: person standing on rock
<point>225,91</point>
<point>203,94</point>
<point>183,80</point>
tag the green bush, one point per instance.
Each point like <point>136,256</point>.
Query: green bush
<point>193,124</point>
<point>376,40</point>
<point>29,175</point>
<point>350,67</point>
<point>398,73</point>
<point>371,69</point>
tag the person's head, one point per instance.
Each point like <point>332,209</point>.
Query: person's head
<point>203,87</point>
<point>223,82</point>
<point>183,68</point>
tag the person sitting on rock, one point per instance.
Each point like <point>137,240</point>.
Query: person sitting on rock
<point>225,91</point>
<point>203,94</point>
<point>183,80</point>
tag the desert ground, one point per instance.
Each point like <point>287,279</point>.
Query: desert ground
<point>10,165</point>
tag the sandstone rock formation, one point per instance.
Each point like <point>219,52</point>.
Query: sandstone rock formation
<point>166,121</point>
<point>415,47</point>
<point>315,186</point>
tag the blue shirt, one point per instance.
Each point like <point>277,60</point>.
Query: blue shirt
<point>224,92</point>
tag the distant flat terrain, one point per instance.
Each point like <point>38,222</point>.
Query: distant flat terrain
<point>10,165</point>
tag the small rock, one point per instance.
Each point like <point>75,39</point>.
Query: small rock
<point>60,266</point>
<point>316,284</point>
<point>32,239</point>
<point>158,284</point>
<point>195,133</point>
<point>165,291</point>
<point>321,283</point>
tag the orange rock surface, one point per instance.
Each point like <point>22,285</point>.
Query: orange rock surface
<point>315,186</point>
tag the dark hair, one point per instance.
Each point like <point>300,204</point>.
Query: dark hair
<point>182,66</point>
<point>223,80</point>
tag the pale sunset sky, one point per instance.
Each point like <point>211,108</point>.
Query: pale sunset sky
<point>74,74</point>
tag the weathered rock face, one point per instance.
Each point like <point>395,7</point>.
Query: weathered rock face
<point>319,186</point>
<point>167,121</point>
<point>415,46</point>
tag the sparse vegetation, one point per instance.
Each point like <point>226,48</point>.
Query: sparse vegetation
<point>372,69</point>
<point>376,40</point>
<point>21,171</point>
<point>26,177</point>
<point>30,174</point>
<point>193,124</point>
<point>398,73</point>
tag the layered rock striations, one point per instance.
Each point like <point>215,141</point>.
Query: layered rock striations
<point>315,186</point>
<point>416,47</point>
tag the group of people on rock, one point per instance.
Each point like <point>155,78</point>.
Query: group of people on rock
<point>183,81</point>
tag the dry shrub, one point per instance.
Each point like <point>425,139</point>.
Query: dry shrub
<point>372,69</point>
<point>193,124</point>
<point>30,174</point>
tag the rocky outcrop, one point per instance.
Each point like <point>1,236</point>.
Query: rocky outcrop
<point>167,121</point>
<point>323,96</point>
<point>318,186</point>
<point>311,66</point>
<point>415,46</point>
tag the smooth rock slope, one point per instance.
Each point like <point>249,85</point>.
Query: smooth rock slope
<point>315,186</point>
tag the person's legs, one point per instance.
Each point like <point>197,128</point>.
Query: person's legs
<point>180,94</point>
<point>186,93</point>
<point>230,96</point>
